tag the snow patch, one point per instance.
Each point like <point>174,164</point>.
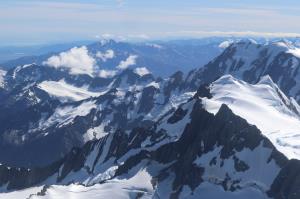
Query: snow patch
<point>66,115</point>
<point>295,51</point>
<point>225,44</point>
<point>95,133</point>
<point>66,92</point>
<point>2,74</point>
<point>154,84</point>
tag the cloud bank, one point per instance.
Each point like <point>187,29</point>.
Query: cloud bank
<point>141,71</point>
<point>131,60</point>
<point>195,33</point>
<point>109,54</point>
<point>107,73</point>
<point>77,60</point>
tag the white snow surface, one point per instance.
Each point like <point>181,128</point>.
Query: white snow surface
<point>261,172</point>
<point>65,115</point>
<point>262,105</point>
<point>67,92</point>
<point>113,189</point>
<point>225,44</point>
<point>21,194</point>
<point>2,74</point>
<point>295,52</point>
<point>95,133</point>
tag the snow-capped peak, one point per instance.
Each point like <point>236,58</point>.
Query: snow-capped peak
<point>245,42</point>
<point>266,80</point>
<point>227,79</point>
<point>263,105</point>
<point>225,44</point>
<point>287,47</point>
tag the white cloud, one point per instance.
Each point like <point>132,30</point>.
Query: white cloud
<point>154,45</point>
<point>77,60</point>
<point>107,73</point>
<point>131,60</point>
<point>109,54</point>
<point>142,71</point>
<point>77,20</point>
<point>200,33</point>
<point>107,36</point>
<point>138,36</point>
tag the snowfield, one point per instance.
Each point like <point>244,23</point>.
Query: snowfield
<point>138,185</point>
<point>66,92</point>
<point>2,74</point>
<point>65,115</point>
<point>263,105</point>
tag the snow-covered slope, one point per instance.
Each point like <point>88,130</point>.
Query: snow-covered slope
<point>249,61</point>
<point>2,74</point>
<point>138,185</point>
<point>53,105</point>
<point>263,105</point>
<point>189,153</point>
<point>66,92</point>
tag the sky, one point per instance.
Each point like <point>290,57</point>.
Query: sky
<point>44,21</point>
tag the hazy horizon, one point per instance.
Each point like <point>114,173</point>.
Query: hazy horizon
<point>39,22</point>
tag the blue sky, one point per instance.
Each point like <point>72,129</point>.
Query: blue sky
<point>45,21</point>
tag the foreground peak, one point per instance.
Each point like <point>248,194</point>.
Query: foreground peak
<point>266,80</point>
<point>226,79</point>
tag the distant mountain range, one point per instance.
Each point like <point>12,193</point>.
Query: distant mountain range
<point>9,53</point>
<point>162,58</point>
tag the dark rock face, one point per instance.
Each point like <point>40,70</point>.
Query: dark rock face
<point>225,129</point>
<point>287,183</point>
<point>174,83</point>
<point>147,99</point>
<point>178,115</point>
<point>211,131</point>
<point>19,178</point>
<point>204,91</point>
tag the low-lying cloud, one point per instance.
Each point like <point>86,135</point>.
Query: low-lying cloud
<point>107,73</point>
<point>109,54</point>
<point>77,60</point>
<point>131,60</point>
<point>141,71</point>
